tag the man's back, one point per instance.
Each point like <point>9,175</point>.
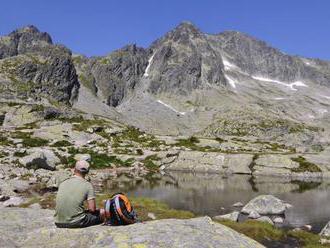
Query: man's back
<point>70,199</point>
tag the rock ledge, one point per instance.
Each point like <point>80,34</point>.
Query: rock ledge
<point>35,228</point>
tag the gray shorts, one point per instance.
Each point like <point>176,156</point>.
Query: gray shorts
<point>90,219</point>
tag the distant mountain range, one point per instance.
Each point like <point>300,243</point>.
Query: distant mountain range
<point>186,83</point>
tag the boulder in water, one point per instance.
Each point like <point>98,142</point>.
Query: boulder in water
<point>265,205</point>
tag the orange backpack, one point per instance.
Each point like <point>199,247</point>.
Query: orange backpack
<point>119,211</point>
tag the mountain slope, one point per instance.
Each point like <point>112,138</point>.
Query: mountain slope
<point>187,82</point>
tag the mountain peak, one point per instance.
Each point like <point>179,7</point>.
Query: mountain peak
<point>31,32</point>
<point>28,29</point>
<point>187,27</point>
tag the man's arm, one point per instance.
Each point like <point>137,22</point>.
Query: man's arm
<point>91,205</point>
<point>90,197</point>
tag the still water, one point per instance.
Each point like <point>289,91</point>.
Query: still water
<point>212,194</point>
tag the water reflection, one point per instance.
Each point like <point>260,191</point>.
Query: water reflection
<point>213,194</point>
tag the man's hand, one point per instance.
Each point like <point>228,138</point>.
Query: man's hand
<point>91,205</point>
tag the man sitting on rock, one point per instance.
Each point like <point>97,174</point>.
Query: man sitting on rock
<point>72,193</point>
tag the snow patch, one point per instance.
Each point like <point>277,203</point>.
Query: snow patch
<point>279,98</point>
<point>322,111</point>
<point>146,72</point>
<point>171,108</point>
<point>231,81</point>
<point>228,65</point>
<point>327,97</point>
<point>290,85</point>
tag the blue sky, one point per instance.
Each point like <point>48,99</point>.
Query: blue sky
<point>298,27</point>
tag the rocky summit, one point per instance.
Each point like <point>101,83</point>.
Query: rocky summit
<point>163,233</point>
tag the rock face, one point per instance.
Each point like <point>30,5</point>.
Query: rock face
<point>35,228</point>
<point>211,162</point>
<point>32,67</point>
<point>265,205</point>
<point>256,57</point>
<point>25,40</point>
<point>183,61</point>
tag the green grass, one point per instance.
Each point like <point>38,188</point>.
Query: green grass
<point>3,154</point>
<point>305,166</point>
<point>34,142</point>
<point>143,206</point>
<point>37,108</point>
<point>256,230</point>
<point>62,143</point>
<point>262,231</point>
<point>29,141</point>
<point>82,124</point>
<point>307,239</point>
<point>149,162</point>
<point>4,140</point>
<point>99,160</point>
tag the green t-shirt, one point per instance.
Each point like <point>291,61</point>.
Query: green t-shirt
<point>70,199</point>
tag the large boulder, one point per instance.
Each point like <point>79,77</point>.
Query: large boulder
<point>44,159</point>
<point>35,228</point>
<point>265,205</point>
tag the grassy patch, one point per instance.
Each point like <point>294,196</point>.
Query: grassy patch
<point>143,206</point>
<point>62,143</point>
<point>34,142</point>
<point>99,160</point>
<point>82,125</point>
<point>37,108</point>
<point>134,135</point>
<point>256,230</point>
<point>265,232</point>
<point>307,239</point>
<point>29,141</point>
<point>3,154</point>
<point>4,140</point>
<point>149,162</point>
<point>304,165</point>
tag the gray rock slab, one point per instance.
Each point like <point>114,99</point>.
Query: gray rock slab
<point>35,228</point>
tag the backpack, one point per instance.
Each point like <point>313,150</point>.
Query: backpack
<point>119,211</point>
